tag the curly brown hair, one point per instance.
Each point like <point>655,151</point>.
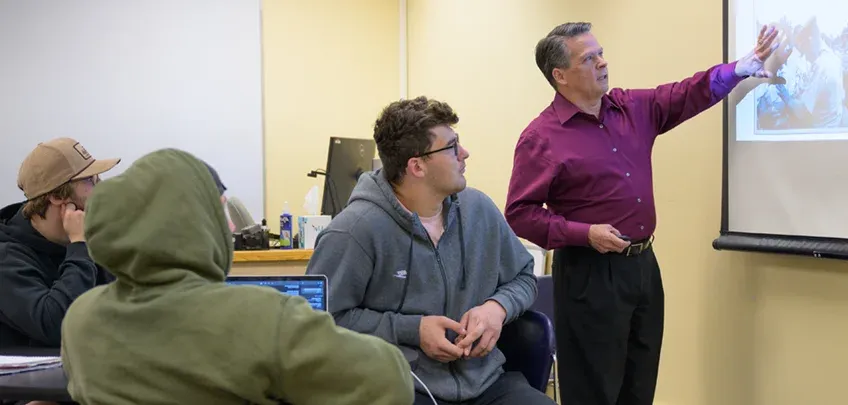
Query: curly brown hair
<point>38,205</point>
<point>403,132</point>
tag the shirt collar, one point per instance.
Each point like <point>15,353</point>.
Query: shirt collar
<point>566,109</point>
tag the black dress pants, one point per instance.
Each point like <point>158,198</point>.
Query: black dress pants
<point>608,314</point>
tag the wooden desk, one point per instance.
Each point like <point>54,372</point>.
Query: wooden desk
<point>270,262</point>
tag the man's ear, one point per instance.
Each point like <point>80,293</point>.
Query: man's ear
<point>56,201</point>
<point>415,167</point>
<point>559,76</point>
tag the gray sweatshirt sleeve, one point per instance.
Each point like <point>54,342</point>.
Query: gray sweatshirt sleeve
<point>349,268</point>
<point>516,291</point>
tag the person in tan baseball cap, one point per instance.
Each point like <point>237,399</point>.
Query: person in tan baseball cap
<point>44,260</point>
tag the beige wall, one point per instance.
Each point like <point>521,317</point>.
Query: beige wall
<point>329,67</point>
<point>742,329</point>
<point>478,57</point>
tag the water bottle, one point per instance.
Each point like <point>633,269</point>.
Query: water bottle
<point>286,228</point>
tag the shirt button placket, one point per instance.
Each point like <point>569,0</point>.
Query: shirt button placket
<point>614,149</point>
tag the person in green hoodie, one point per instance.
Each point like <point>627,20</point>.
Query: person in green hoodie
<point>169,330</point>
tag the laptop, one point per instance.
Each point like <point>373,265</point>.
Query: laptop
<point>312,287</point>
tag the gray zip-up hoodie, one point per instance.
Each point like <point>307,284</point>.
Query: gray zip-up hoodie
<point>385,274</point>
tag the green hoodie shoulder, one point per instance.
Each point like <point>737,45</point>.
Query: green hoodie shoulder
<point>169,330</point>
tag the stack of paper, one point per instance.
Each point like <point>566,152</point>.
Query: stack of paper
<point>20,364</point>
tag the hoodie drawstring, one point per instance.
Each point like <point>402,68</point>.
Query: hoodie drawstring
<point>461,246</point>
<point>463,277</point>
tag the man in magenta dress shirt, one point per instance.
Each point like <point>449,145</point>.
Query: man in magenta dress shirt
<point>581,184</point>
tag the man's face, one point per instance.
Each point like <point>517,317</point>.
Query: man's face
<point>445,170</point>
<point>587,74</point>
<point>83,189</point>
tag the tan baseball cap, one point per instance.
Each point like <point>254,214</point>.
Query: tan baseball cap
<point>57,162</point>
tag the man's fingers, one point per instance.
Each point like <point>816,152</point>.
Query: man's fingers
<point>449,350</point>
<point>769,31</point>
<point>616,244</point>
<point>483,347</point>
<point>480,349</point>
<point>442,358</point>
<point>463,322</point>
<point>493,341</point>
<point>70,207</point>
<point>767,48</point>
<point>768,43</point>
<point>475,334</point>
<point>455,326</point>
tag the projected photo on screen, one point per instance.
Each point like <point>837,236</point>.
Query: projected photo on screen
<point>806,100</point>
<point>787,136</point>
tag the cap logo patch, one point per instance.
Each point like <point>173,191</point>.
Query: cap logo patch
<point>82,151</point>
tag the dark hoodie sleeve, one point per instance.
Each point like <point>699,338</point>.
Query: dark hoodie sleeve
<point>348,268</point>
<point>33,305</point>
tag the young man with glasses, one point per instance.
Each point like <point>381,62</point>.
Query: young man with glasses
<point>425,263</point>
<point>44,261</point>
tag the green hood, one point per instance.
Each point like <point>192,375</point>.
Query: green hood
<point>169,330</point>
<point>160,222</point>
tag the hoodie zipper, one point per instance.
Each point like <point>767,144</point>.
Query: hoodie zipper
<point>445,309</point>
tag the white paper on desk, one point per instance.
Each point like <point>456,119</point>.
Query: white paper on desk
<point>8,371</point>
<point>18,362</point>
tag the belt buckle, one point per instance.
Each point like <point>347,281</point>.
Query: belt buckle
<point>638,248</point>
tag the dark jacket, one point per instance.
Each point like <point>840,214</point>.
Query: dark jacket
<point>38,281</point>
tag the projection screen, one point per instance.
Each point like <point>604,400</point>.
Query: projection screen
<point>786,139</point>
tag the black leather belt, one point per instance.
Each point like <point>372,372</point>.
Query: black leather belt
<point>638,247</point>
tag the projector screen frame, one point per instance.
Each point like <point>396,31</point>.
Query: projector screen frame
<point>818,247</point>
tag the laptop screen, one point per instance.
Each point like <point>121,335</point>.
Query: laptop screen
<point>313,288</point>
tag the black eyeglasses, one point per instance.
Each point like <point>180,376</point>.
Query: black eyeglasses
<point>454,146</point>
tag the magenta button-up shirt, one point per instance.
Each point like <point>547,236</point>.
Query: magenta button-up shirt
<point>591,170</point>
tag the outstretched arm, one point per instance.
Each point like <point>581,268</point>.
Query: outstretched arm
<point>671,104</point>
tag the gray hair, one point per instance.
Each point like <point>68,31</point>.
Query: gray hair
<point>551,51</point>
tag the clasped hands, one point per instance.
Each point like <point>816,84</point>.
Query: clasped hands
<point>481,324</point>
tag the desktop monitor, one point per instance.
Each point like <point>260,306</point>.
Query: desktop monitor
<point>347,159</point>
<point>312,287</point>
